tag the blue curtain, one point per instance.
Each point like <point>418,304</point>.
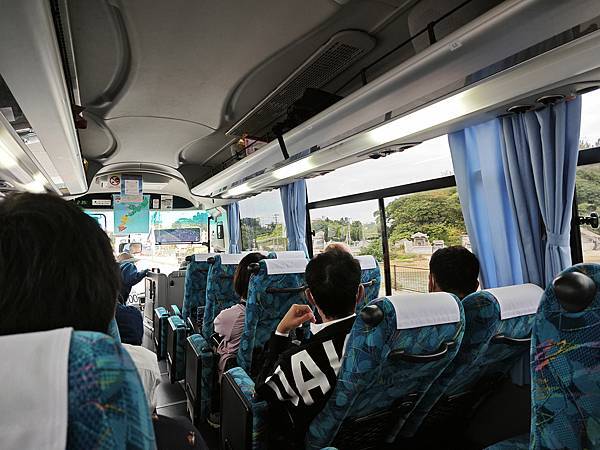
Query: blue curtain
<point>486,203</point>
<point>545,144</point>
<point>293,200</point>
<point>233,226</point>
<point>518,171</point>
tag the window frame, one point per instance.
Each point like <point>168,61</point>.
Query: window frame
<point>379,195</point>
<point>585,157</point>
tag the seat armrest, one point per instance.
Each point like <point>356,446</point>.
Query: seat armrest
<point>246,424</point>
<point>176,311</point>
<point>205,379</point>
<point>216,339</point>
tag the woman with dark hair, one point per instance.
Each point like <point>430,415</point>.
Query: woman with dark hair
<point>229,324</point>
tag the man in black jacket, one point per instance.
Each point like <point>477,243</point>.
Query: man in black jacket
<point>297,380</point>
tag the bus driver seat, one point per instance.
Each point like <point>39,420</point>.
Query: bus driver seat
<point>71,389</point>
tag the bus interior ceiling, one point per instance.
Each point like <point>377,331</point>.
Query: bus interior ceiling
<point>215,106</point>
<point>196,87</point>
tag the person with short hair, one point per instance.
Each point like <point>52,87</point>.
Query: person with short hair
<point>341,246</point>
<point>57,267</point>
<point>130,276</point>
<point>455,270</point>
<point>129,318</point>
<point>229,323</point>
<point>297,380</point>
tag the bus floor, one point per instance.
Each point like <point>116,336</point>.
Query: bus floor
<point>171,402</point>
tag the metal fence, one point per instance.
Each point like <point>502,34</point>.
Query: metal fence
<point>406,278</point>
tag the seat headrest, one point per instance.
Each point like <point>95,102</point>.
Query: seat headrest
<point>290,254</point>
<point>262,252</point>
<point>230,258</point>
<point>575,291</point>
<point>367,262</point>
<point>203,257</point>
<point>422,310</point>
<point>518,300</point>
<point>35,389</point>
<point>281,266</point>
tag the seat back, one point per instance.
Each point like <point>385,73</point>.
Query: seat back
<point>102,373</point>
<point>219,289</point>
<point>498,324</point>
<point>156,294</point>
<point>194,291</point>
<point>398,346</point>
<point>565,368</point>
<point>274,287</point>
<point>93,388</point>
<point>370,279</point>
<point>175,288</point>
<point>288,254</point>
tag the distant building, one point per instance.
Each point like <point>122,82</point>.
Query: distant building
<point>420,239</point>
<point>319,241</point>
<point>465,241</point>
<point>420,245</point>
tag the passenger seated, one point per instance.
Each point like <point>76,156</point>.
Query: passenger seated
<point>297,380</point>
<point>229,324</point>
<point>129,318</point>
<point>340,246</point>
<point>147,367</point>
<point>130,276</point>
<point>69,278</point>
<point>454,270</point>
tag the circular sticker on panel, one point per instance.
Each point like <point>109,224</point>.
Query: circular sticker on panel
<point>115,180</point>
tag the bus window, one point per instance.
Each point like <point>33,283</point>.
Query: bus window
<point>149,251</point>
<point>428,160</point>
<point>419,224</point>
<point>263,227</point>
<point>355,224</point>
<point>588,201</point>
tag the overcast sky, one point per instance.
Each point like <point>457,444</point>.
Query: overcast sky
<point>428,160</point>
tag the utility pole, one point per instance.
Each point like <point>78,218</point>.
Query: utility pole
<point>276,217</point>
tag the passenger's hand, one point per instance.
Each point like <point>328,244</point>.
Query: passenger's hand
<point>296,316</point>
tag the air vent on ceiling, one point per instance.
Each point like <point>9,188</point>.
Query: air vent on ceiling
<point>339,53</point>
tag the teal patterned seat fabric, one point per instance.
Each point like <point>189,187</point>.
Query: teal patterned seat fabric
<point>113,330</point>
<point>107,405</point>
<point>219,289</point>
<point>370,279</point>
<point>200,376</point>
<point>565,372</point>
<point>161,316</point>
<point>177,332</point>
<point>398,346</point>
<point>498,324</point>
<point>248,431</point>
<point>273,289</point>
<point>194,288</point>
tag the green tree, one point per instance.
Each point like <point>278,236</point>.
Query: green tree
<point>437,214</point>
<point>373,248</point>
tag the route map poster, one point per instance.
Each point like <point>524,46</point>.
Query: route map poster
<point>131,217</point>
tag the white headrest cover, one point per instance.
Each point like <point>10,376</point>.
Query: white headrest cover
<point>262,252</point>
<point>34,389</point>
<point>202,257</point>
<point>422,310</point>
<point>281,266</point>
<point>519,300</point>
<point>290,254</point>
<point>231,258</point>
<point>367,262</point>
